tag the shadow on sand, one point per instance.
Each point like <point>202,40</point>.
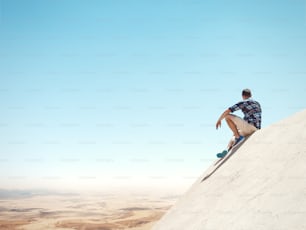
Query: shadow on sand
<point>221,161</point>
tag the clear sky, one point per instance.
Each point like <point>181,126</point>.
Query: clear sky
<point>112,92</point>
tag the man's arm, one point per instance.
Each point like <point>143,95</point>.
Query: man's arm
<point>223,115</point>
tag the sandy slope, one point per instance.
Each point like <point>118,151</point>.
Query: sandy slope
<point>262,186</point>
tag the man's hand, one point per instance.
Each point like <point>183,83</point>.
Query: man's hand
<point>218,124</point>
<point>223,115</point>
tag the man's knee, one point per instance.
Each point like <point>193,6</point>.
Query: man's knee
<point>229,117</point>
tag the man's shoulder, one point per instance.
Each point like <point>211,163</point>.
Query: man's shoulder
<point>252,101</point>
<point>256,102</point>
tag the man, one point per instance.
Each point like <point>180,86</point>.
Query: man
<point>241,127</point>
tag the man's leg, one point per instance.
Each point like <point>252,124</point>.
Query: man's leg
<point>232,125</point>
<point>244,128</point>
<point>231,142</point>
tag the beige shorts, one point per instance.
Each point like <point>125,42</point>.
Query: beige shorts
<point>244,128</point>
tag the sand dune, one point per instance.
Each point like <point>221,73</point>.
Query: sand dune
<point>261,186</point>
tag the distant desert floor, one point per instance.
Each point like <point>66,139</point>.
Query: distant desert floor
<point>83,212</point>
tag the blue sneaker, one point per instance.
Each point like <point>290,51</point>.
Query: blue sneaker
<point>238,140</point>
<point>223,154</point>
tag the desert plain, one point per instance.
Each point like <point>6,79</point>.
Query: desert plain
<point>28,210</point>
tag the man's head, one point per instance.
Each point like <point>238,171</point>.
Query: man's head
<point>246,93</point>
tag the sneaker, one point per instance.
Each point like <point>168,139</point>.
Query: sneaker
<point>238,140</point>
<point>223,154</point>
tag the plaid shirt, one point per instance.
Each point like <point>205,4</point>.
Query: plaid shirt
<point>251,110</point>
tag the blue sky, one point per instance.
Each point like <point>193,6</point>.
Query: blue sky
<point>107,92</point>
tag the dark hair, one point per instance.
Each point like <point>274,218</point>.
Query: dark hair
<point>247,93</point>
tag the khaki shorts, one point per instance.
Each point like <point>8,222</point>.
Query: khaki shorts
<point>244,128</point>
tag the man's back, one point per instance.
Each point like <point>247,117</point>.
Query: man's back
<point>251,110</point>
